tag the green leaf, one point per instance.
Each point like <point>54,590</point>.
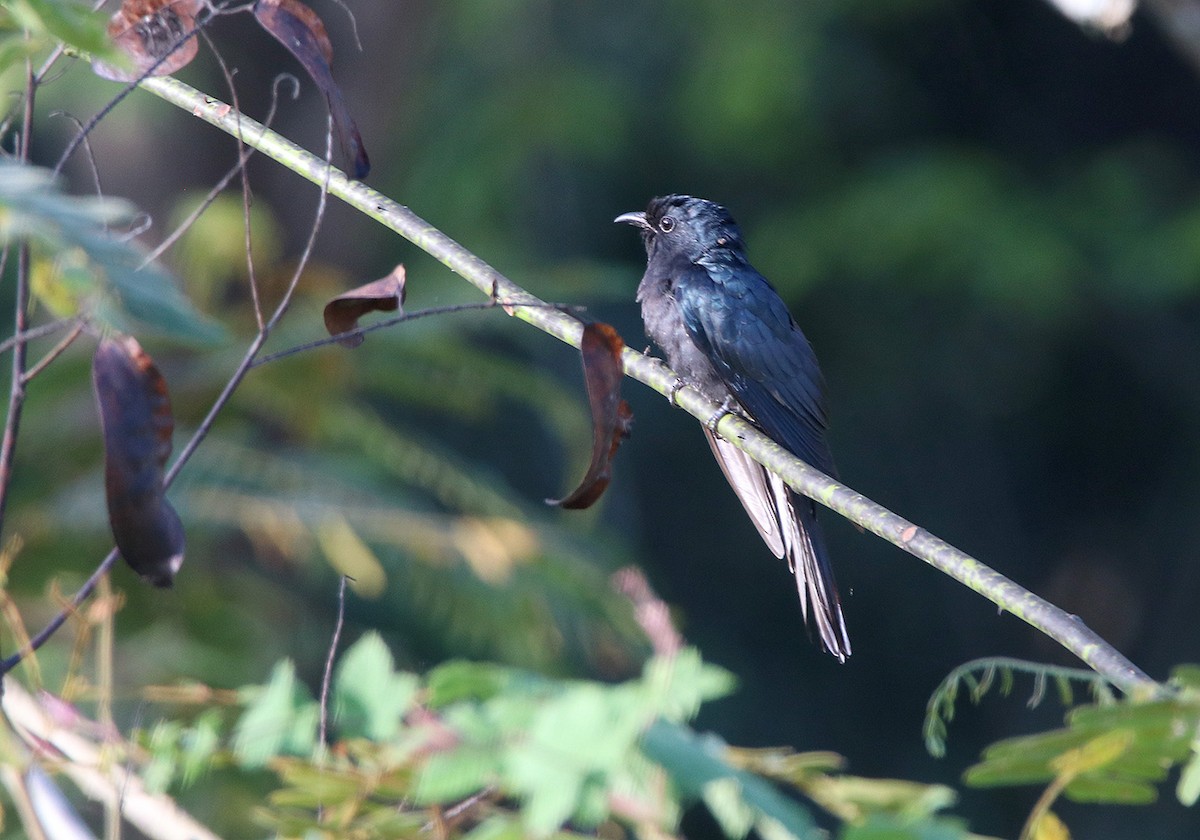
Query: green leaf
<point>275,719</point>
<point>588,726</point>
<point>495,828</point>
<point>1188,789</point>
<point>369,697</point>
<point>1111,790</point>
<point>121,292</point>
<point>163,745</point>
<point>551,802</point>
<point>680,683</point>
<point>724,800</point>
<point>313,787</point>
<point>460,680</point>
<point>1187,676</point>
<point>885,827</point>
<point>71,22</point>
<point>693,762</point>
<point>454,775</point>
<point>199,744</point>
<point>1095,754</point>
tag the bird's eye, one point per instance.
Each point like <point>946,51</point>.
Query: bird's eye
<point>667,224</point>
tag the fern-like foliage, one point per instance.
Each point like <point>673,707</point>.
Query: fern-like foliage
<point>980,676</point>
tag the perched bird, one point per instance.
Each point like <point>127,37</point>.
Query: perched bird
<point>727,333</point>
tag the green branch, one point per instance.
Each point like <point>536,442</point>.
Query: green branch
<point>1066,629</point>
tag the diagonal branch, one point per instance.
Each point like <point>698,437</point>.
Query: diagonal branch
<point>1066,629</point>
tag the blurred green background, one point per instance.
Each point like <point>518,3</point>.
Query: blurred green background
<point>986,220</point>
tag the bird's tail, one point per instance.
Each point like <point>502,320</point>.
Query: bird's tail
<point>788,525</point>
<point>809,561</point>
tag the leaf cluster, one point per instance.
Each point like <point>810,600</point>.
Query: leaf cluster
<point>482,750</point>
<point>1109,752</point>
<point>29,27</point>
<point>85,268</point>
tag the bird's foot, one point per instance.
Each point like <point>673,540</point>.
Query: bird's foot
<point>719,414</point>
<point>673,390</point>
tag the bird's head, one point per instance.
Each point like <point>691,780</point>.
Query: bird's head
<point>685,226</point>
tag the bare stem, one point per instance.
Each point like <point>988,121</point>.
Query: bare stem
<point>16,391</point>
<point>327,676</point>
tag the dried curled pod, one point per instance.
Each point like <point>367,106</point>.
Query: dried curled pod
<point>135,413</point>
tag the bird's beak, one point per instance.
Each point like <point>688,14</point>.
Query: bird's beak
<point>637,219</point>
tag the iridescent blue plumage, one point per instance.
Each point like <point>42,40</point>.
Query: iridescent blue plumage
<point>726,332</point>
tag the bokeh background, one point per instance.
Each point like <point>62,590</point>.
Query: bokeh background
<point>986,219</point>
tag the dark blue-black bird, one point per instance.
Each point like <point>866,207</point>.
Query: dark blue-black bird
<point>727,333</point>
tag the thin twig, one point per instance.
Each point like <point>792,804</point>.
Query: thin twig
<point>105,644</point>
<point>393,321</point>
<point>327,676</point>
<point>244,153</point>
<point>1067,630</point>
<point>54,352</point>
<point>33,332</point>
<point>256,345</point>
<point>206,424</point>
<point>87,148</point>
<point>239,167</point>
<point>52,626</point>
<point>16,391</point>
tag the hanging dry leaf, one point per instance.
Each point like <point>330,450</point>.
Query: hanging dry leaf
<point>149,31</point>
<point>300,29</point>
<point>383,295</point>
<point>612,420</point>
<point>135,413</point>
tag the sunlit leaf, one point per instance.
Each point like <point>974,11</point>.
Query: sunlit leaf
<point>351,557</point>
<point>724,800</point>
<point>693,762</point>
<point>310,786</point>
<point>1188,789</point>
<point>453,775</point>
<point>1050,827</point>
<point>1095,754</point>
<point>277,718</point>
<point>369,697</point>
<point>71,22</point>
<point>199,744</point>
<point>683,681</point>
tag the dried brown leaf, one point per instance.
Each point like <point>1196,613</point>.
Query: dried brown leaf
<point>612,419</point>
<point>300,29</point>
<point>383,295</point>
<point>149,31</point>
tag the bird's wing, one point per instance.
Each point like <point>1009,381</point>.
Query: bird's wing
<point>739,322</point>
